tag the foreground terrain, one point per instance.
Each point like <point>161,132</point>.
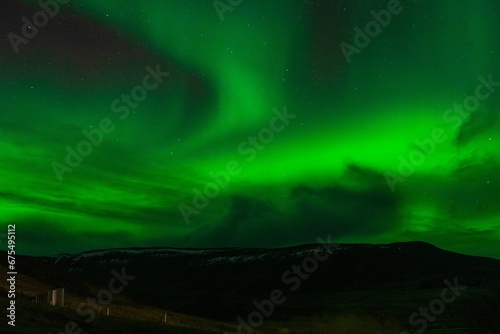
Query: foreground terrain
<point>352,289</point>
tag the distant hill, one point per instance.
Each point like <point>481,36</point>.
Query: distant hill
<point>391,280</point>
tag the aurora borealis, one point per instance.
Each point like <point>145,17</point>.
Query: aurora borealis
<point>323,174</point>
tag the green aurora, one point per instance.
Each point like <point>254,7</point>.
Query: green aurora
<point>325,173</point>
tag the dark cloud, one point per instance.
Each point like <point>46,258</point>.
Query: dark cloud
<point>310,212</point>
<point>478,122</point>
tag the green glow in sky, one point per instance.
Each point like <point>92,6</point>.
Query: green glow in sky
<point>323,174</point>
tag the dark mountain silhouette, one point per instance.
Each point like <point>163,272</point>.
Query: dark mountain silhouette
<point>221,284</point>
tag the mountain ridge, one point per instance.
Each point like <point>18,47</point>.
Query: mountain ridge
<point>222,284</point>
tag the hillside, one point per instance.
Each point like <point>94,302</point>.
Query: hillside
<point>382,281</point>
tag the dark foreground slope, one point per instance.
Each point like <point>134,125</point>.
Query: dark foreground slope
<point>393,280</point>
<point>384,282</point>
<point>126,316</point>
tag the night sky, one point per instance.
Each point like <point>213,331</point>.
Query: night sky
<point>330,168</point>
